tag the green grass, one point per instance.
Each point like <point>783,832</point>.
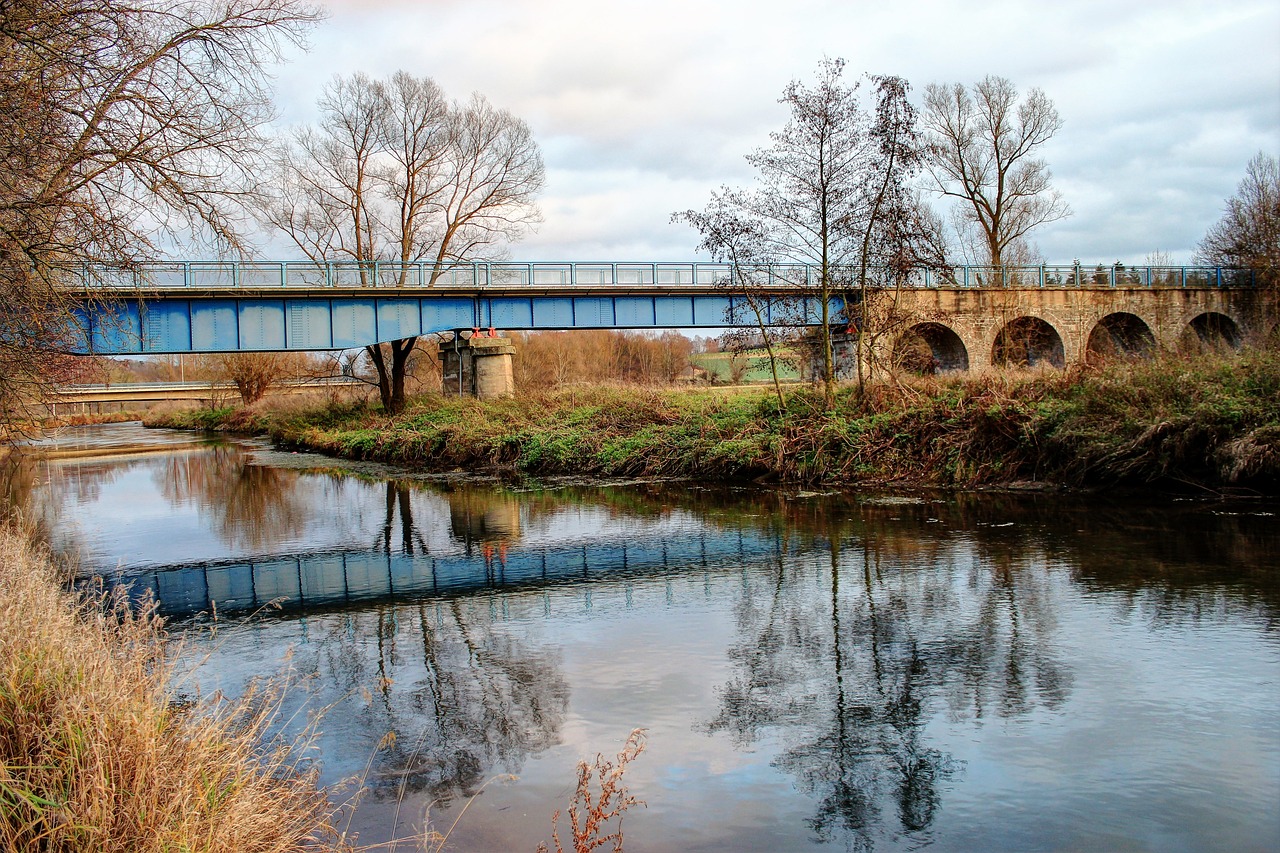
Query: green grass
<point>1209,421</point>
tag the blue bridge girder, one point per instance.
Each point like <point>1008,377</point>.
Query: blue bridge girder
<point>229,306</point>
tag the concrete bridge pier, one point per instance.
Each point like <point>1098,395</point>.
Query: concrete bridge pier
<point>478,366</point>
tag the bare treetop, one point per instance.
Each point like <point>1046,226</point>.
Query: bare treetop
<point>127,126</point>
<point>1248,234</point>
<point>395,172</point>
<point>983,144</point>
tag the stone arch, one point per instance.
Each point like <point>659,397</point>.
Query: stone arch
<point>930,348</point>
<point>1211,332</point>
<point>1028,342</point>
<point>1120,336</point>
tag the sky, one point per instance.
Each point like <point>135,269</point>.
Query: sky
<point>645,108</point>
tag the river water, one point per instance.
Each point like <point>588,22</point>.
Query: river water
<point>976,672</point>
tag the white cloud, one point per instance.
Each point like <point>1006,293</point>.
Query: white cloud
<point>644,108</point>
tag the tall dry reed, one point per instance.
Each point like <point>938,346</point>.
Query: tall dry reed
<point>97,753</point>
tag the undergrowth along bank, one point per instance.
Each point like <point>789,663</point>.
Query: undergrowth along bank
<point>97,753</point>
<point>1208,422</point>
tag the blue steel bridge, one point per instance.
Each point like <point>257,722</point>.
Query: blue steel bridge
<point>224,306</point>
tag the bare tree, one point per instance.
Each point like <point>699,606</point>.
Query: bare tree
<point>834,193</point>
<point>740,240</point>
<point>1248,235</point>
<point>395,173</point>
<point>125,121</point>
<point>983,145</point>
<point>809,200</point>
<point>900,234</point>
<point>255,373</point>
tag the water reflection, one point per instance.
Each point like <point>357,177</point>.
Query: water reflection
<point>251,506</point>
<point>458,698</point>
<point>848,653</point>
<point>840,656</point>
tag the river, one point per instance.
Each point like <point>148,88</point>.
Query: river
<point>994,672</point>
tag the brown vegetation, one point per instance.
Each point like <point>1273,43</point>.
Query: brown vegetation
<point>99,753</point>
<point>556,359</point>
<point>590,813</point>
<point>123,124</point>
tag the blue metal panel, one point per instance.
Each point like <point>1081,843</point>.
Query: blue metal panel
<point>79,333</point>
<point>633,310</point>
<point>277,580</point>
<point>411,573</point>
<point>368,574</point>
<point>399,318</point>
<point>646,555</point>
<point>213,325</point>
<point>323,578</point>
<point>117,328</point>
<point>231,587</point>
<point>523,567</point>
<point>262,324</point>
<point>353,323</point>
<point>673,311</point>
<point>684,551</point>
<point>167,326</point>
<point>459,573</point>
<point>593,312</point>
<point>553,312</point>
<point>310,324</point>
<point>605,558</point>
<point>511,313</point>
<point>443,314</point>
<point>711,310</point>
<point>182,591</point>
<point>741,313</point>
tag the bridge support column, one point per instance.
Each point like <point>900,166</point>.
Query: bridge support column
<point>478,366</point>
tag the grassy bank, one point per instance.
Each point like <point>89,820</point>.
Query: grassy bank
<point>97,754</point>
<point>1206,422</point>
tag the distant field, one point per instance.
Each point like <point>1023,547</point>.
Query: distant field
<point>718,365</point>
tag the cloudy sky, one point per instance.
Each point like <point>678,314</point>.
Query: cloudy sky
<point>643,107</point>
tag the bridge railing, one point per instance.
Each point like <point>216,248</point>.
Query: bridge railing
<point>343,275</point>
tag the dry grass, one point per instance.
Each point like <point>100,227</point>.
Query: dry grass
<point>590,814</point>
<point>97,753</point>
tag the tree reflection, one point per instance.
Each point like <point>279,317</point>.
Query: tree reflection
<point>461,696</point>
<point>251,506</point>
<point>399,494</point>
<point>858,639</point>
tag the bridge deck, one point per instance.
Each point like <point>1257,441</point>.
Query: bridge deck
<point>215,306</point>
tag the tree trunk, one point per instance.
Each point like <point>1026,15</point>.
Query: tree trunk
<point>391,377</point>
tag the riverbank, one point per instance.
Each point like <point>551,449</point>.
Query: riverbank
<point>1206,423</point>
<point>98,750</point>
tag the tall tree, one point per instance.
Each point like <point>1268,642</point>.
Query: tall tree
<point>832,192</point>
<point>900,234</point>
<point>395,173</point>
<point>983,145</point>
<point>124,121</point>
<point>808,199</point>
<point>1248,234</point>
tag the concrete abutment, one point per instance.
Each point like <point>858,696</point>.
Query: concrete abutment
<point>478,366</point>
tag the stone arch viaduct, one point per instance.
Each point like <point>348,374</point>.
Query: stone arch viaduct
<point>972,329</point>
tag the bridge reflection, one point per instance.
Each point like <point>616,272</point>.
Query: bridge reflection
<point>338,576</point>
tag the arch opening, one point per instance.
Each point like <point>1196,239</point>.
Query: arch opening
<point>1211,332</point>
<point>930,348</point>
<point>1120,336</point>
<point>1028,342</point>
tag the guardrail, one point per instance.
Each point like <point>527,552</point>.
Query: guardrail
<point>660,275</point>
